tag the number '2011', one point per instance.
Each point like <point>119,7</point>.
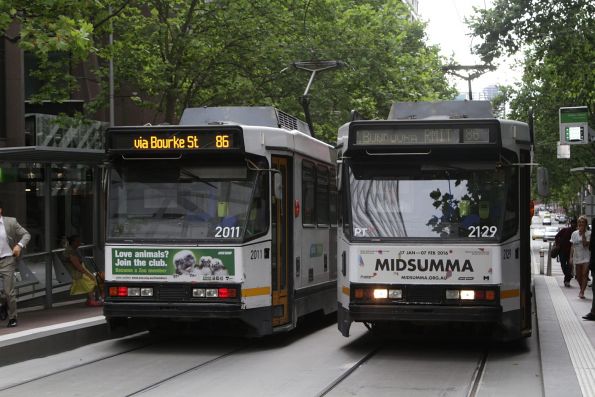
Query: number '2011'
<point>482,231</point>
<point>227,232</point>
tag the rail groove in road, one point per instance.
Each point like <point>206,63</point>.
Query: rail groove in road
<point>348,372</point>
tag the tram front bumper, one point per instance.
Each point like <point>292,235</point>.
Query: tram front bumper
<point>424,313</point>
<point>172,310</point>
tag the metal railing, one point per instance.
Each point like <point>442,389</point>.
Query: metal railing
<point>38,264</point>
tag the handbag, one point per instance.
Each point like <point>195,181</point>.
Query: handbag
<point>555,251</point>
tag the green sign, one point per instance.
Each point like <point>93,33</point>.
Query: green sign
<point>574,115</point>
<point>187,262</point>
<point>574,125</point>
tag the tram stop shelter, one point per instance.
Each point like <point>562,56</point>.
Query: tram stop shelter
<point>589,203</point>
<point>53,192</point>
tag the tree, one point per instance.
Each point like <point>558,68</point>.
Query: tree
<point>386,56</point>
<point>171,54</point>
<point>559,39</point>
<point>61,34</point>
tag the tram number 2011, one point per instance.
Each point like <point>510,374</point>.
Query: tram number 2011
<point>227,232</point>
<point>482,231</point>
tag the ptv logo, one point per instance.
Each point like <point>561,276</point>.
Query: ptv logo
<point>360,232</point>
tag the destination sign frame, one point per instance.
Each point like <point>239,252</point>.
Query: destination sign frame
<point>175,139</point>
<point>379,134</point>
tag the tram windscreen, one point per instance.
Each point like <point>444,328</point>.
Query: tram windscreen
<point>177,200</point>
<point>451,203</point>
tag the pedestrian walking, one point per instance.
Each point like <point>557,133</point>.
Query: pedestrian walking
<point>591,315</point>
<point>580,254</point>
<point>562,240</point>
<point>13,238</point>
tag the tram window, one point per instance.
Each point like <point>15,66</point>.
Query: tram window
<point>511,213</point>
<point>332,197</point>
<point>322,196</point>
<point>308,194</point>
<point>258,215</point>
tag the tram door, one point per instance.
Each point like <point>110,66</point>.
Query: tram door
<point>280,248</point>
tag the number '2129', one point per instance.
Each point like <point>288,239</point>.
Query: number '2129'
<point>482,231</point>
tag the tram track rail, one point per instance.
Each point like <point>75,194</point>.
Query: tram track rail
<point>346,374</point>
<point>478,374</point>
<point>151,342</point>
<point>74,367</point>
<point>184,372</point>
<point>294,364</point>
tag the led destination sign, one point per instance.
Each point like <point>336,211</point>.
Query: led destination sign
<point>174,139</point>
<point>420,136</point>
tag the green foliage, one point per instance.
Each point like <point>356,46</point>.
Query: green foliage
<point>172,54</point>
<point>559,39</point>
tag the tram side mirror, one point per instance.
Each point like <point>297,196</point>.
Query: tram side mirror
<point>278,185</point>
<point>543,182</point>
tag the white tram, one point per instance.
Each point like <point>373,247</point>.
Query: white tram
<point>226,219</point>
<point>434,219</point>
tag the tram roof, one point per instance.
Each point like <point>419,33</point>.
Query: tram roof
<point>447,110</point>
<point>264,116</point>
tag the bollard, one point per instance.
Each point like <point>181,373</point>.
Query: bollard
<point>541,253</point>
<point>549,259</point>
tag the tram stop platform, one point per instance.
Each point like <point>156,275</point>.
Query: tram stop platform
<point>41,332</point>
<point>565,340</point>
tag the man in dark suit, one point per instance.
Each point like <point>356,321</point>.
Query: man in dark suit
<point>13,238</point>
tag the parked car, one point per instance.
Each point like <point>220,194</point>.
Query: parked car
<point>562,219</point>
<point>547,220</point>
<point>550,233</point>
<point>538,233</point>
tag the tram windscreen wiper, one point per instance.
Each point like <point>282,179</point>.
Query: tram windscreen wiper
<point>187,172</point>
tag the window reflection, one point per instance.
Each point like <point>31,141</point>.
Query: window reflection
<point>435,204</point>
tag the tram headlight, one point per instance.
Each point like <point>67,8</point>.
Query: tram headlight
<point>467,294</point>
<point>212,292</point>
<point>452,294</point>
<point>380,293</point>
<point>146,292</point>
<point>198,292</point>
<point>395,294</point>
<point>134,291</point>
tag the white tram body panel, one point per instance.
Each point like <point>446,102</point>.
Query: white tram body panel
<point>433,221</point>
<point>270,279</point>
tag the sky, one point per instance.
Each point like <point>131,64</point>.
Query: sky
<point>447,29</point>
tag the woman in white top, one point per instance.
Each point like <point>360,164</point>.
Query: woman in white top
<point>580,254</point>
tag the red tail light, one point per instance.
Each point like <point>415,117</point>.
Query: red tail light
<point>227,292</point>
